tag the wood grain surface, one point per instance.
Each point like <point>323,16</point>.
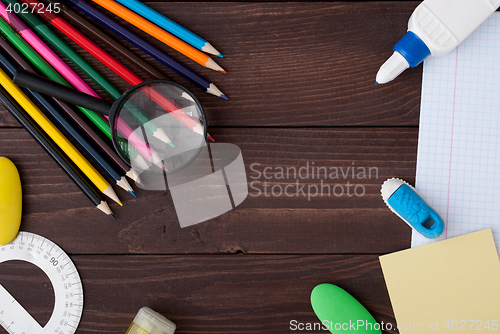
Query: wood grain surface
<point>302,95</point>
<point>294,64</point>
<point>268,221</point>
<point>210,294</point>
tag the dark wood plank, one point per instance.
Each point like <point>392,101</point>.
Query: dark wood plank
<point>213,294</point>
<point>55,208</point>
<point>301,87</point>
<point>296,64</point>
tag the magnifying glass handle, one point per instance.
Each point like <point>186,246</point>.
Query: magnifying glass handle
<point>59,91</point>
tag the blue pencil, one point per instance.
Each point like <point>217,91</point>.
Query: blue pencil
<point>170,26</point>
<point>147,47</point>
<point>68,128</point>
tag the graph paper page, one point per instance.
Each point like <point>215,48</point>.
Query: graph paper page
<point>458,161</point>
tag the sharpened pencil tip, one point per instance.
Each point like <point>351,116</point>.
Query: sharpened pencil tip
<point>133,193</point>
<point>220,56</point>
<point>223,72</point>
<point>171,144</point>
<point>112,216</point>
<point>211,138</point>
<point>208,48</point>
<point>120,203</point>
<point>224,97</point>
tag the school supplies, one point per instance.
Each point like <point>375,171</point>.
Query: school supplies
<point>407,204</point>
<point>154,52</point>
<point>111,63</point>
<point>148,321</point>
<point>14,56</point>
<point>53,75</point>
<point>49,55</point>
<point>338,311</point>
<point>59,44</point>
<point>47,70</point>
<point>159,34</point>
<point>69,129</point>
<point>123,72</point>
<point>63,276</point>
<point>88,45</point>
<point>170,26</point>
<point>459,135</point>
<point>86,68</point>
<point>98,34</point>
<point>186,123</point>
<point>57,137</point>
<point>435,28</point>
<point>10,201</point>
<point>446,286</point>
<point>87,187</point>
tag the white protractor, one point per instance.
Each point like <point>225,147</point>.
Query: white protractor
<point>68,291</point>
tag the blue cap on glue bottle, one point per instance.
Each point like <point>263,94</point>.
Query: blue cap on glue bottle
<point>435,28</point>
<point>409,51</point>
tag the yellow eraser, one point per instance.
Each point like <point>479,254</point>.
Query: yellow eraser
<point>10,201</point>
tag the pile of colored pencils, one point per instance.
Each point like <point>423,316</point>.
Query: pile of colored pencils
<point>51,121</point>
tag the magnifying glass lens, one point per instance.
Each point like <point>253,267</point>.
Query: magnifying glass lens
<point>158,126</point>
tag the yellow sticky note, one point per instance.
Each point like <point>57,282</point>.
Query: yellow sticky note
<point>447,286</point>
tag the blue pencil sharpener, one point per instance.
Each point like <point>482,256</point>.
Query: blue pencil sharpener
<point>406,203</point>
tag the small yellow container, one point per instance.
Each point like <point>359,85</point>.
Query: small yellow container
<point>148,321</point>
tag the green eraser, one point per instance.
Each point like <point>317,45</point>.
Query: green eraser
<point>340,312</point>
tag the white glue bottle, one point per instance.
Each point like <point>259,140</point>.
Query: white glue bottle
<point>435,28</point>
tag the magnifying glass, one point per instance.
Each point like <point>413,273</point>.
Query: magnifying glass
<point>134,117</point>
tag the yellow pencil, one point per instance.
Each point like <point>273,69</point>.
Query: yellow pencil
<point>58,137</point>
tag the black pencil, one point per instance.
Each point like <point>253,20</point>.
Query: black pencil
<point>55,152</point>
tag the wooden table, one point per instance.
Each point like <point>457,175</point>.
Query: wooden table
<point>301,88</point>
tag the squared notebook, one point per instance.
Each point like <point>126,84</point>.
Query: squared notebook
<point>458,160</point>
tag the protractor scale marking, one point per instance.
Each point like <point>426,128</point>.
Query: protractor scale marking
<point>68,290</point>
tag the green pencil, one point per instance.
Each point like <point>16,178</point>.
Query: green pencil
<point>47,70</point>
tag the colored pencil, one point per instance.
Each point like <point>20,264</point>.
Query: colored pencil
<point>160,34</point>
<point>114,65</point>
<point>55,152</point>
<point>170,26</point>
<point>84,127</point>
<point>154,52</point>
<point>96,33</point>
<point>64,70</point>
<point>47,70</point>
<point>57,137</point>
<point>68,128</point>
<point>49,55</point>
<point>87,69</point>
<point>76,36</point>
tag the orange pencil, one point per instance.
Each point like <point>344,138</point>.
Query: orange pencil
<point>159,34</point>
